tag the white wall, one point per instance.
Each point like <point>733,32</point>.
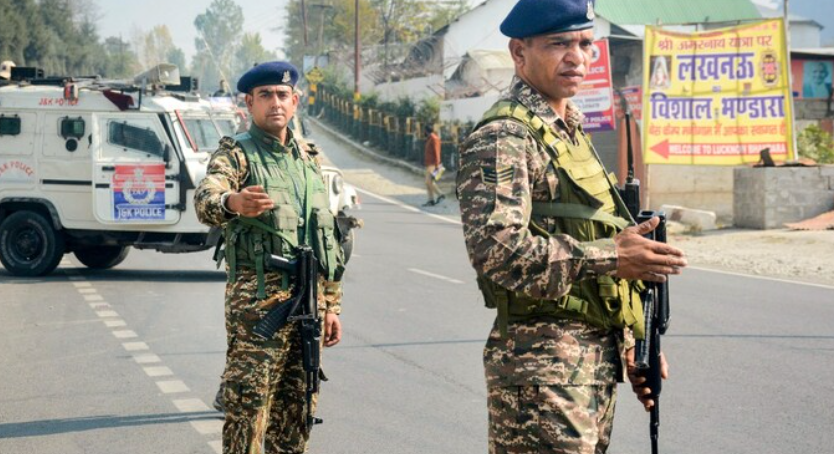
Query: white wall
<point>417,89</point>
<point>478,29</point>
<point>467,109</point>
<point>805,36</point>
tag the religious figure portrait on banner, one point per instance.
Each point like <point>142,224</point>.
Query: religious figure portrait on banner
<point>816,82</point>
<point>659,78</point>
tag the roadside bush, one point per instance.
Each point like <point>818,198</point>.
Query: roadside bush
<point>816,144</point>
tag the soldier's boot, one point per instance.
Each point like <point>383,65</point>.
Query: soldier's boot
<point>218,400</point>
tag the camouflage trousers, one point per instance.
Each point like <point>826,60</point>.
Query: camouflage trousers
<point>264,396</point>
<point>557,419</point>
<point>264,379</point>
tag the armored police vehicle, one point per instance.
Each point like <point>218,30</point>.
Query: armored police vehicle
<point>94,167</point>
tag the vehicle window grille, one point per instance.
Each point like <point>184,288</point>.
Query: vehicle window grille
<point>72,127</point>
<point>142,139</point>
<point>9,126</point>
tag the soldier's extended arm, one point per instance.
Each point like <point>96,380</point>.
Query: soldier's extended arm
<point>495,201</point>
<point>225,173</point>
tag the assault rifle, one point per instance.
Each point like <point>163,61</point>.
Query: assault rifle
<point>655,297</point>
<point>303,307</point>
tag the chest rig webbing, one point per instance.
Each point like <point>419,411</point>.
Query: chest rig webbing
<point>300,214</point>
<point>587,207</point>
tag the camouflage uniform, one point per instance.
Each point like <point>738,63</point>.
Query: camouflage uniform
<point>551,381</point>
<point>264,381</point>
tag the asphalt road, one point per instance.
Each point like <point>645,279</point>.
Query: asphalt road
<point>127,360</point>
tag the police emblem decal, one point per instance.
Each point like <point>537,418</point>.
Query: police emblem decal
<point>591,15</point>
<point>286,78</point>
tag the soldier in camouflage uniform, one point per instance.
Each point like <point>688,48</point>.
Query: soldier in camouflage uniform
<point>553,246</point>
<point>265,189</point>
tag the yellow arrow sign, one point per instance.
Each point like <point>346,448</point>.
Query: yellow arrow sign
<point>315,75</point>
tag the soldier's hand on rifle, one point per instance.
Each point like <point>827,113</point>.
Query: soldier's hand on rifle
<point>250,202</point>
<point>644,259</point>
<point>332,329</point>
<point>637,381</point>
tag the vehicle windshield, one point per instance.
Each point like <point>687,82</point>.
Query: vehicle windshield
<point>206,133</point>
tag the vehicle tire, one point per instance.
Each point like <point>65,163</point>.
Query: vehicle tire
<point>347,245</point>
<point>101,257</point>
<point>29,245</point>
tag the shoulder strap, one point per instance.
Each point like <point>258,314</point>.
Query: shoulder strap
<point>520,113</point>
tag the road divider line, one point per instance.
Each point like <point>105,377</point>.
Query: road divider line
<point>190,405</point>
<point>436,276</point>
<point>408,207</point>
<point>80,284</point>
<point>99,304</point>
<point>172,386</point>
<point>135,346</point>
<point>89,298</point>
<point>124,334</point>
<point>115,323</point>
<point>86,290</point>
<point>107,314</point>
<point>157,371</point>
<point>146,358</point>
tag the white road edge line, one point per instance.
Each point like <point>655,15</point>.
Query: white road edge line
<point>762,278</point>
<point>217,446</point>
<point>436,276</point>
<point>408,207</point>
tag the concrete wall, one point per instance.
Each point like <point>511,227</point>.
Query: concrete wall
<point>698,187</point>
<point>768,197</point>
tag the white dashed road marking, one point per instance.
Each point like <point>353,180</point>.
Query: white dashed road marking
<point>135,346</point>
<point>190,405</point>
<point>146,358</point>
<point>158,371</point>
<point>217,445</point>
<point>208,426</point>
<point>125,334</point>
<point>170,386</point>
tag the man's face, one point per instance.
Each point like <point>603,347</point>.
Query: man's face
<point>819,73</point>
<point>272,107</point>
<point>554,64</point>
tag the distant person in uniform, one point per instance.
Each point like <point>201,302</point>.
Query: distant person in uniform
<point>817,82</point>
<point>265,189</point>
<point>434,166</point>
<point>553,247</point>
<point>223,91</point>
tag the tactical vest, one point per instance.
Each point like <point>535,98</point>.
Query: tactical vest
<point>300,216</point>
<point>588,207</point>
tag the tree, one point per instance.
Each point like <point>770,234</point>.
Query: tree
<point>335,24</point>
<point>156,47</point>
<point>219,31</point>
<point>121,61</point>
<point>251,52</point>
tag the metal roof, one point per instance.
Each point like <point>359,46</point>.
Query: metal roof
<point>666,12</point>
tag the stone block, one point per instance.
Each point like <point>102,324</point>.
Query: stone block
<point>698,219</point>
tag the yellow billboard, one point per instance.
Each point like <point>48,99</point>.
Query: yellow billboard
<point>717,97</point>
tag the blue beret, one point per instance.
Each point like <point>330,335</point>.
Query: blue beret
<point>536,17</point>
<point>270,73</point>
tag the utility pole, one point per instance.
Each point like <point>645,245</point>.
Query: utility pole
<point>790,80</point>
<point>358,59</point>
<point>304,22</point>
